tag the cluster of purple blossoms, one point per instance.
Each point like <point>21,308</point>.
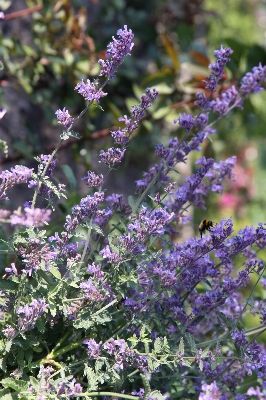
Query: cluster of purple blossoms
<point>229,99</point>
<point>118,204</point>
<point>86,209</point>
<point>149,222</point>
<point>139,393</point>
<point>30,313</point>
<point>36,217</point>
<point>222,58</point>
<point>112,156</point>
<point>93,348</point>
<point>252,81</point>
<point>35,254</point>
<point>10,332</point>
<point>90,91</point>
<point>43,161</point>
<point>65,250</point>
<point>47,386</point>
<point>111,256</point>
<point>210,392</point>
<point>69,389</point>
<point>186,121</point>
<point>4,214</point>
<point>93,180</point>
<point>122,137</point>
<point>91,292</point>
<point>95,289</point>
<point>239,338</point>
<point>124,355</point>
<point>64,118</point>
<point>18,174</point>
<point>118,349</point>
<point>116,51</point>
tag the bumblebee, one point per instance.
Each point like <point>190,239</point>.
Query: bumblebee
<point>120,303</point>
<point>205,225</point>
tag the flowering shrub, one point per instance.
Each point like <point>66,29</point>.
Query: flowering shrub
<point>110,306</point>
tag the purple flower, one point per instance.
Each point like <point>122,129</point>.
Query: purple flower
<point>4,214</point>
<point>112,156</point>
<point>18,174</point>
<point>31,312</point>
<point>118,203</point>
<point>255,392</point>
<point>222,57</point>
<point>229,99</point>
<point>80,213</point>
<point>140,393</point>
<point>91,292</point>
<point>186,121</point>
<point>69,389</point>
<point>35,254</point>
<point>64,118</point>
<point>90,91</point>
<point>33,217</point>
<point>10,332</point>
<point>93,349</point>
<point>251,82</point>
<point>137,112</point>
<point>93,179</point>
<point>210,392</point>
<point>116,51</point>
<point>111,256</point>
<point>3,112</point>
<point>239,337</point>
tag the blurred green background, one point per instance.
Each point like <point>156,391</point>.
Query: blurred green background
<point>47,47</point>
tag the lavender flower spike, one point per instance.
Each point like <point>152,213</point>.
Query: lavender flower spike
<point>90,91</point>
<point>117,50</point>
<point>18,174</point>
<point>64,118</point>
<point>31,312</point>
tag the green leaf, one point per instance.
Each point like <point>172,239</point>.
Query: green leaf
<point>131,202</point>
<point>55,272</point>
<point>74,134</point>
<point>228,322</point>
<point>15,384</point>
<point>54,289</point>
<point>92,378</point>
<point>201,365</point>
<point>181,347</point>
<point>161,112</point>
<point>191,342</point>
<point>186,362</point>
<point>70,176</point>
<point>40,325</point>
<point>34,382</point>
<point>157,345</point>
<point>20,357</point>
<point>52,308</point>
<point>156,395</point>
<point>8,346</point>
<point>250,302</point>
<point>3,364</point>
<point>98,229</point>
<point>6,395</point>
<point>4,147</point>
<point>8,285</point>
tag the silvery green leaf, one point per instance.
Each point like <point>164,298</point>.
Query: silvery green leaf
<point>74,134</point>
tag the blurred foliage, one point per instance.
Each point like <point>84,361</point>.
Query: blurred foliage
<point>174,40</point>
